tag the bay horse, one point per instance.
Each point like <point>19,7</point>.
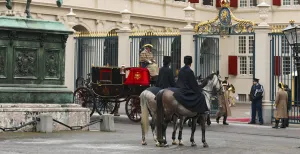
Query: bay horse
<point>169,106</point>
<point>148,103</point>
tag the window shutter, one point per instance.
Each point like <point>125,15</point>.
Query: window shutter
<point>194,1</point>
<point>232,65</point>
<point>218,3</point>
<point>277,2</point>
<point>233,3</point>
<point>277,65</point>
<point>206,2</point>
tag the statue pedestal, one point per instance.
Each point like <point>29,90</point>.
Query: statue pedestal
<point>14,115</point>
<point>32,69</point>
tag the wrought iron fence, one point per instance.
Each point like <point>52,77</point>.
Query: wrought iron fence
<point>206,55</point>
<point>283,69</point>
<point>164,44</point>
<point>99,49</point>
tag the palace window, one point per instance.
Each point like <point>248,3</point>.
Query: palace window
<point>208,2</point>
<point>247,3</point>
<point>290,2</point>
<point>285,55</point>
<point>286,65</point>
<point>245,54</point>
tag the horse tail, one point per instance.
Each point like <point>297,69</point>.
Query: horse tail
<point>145,112</point>
<point>159,114</point>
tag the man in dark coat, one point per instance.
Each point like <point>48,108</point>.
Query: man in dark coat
<point>256,95</point>
<point>189,93</point>
<point>165,76</point>
<point>289,105</point>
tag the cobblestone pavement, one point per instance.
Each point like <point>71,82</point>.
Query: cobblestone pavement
<point>233,139</point>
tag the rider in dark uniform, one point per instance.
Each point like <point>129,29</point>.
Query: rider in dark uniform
<point>165,76</point>
<point>189,93</point>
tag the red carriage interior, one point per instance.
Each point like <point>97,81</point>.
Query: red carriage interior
<point>138,76</point>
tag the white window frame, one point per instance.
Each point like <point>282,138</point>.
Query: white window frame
<point>281,54</point>
<point>247,4</point>
<point>247,55</point>
<point>292,3</point>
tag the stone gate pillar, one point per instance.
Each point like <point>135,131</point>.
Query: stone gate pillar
<point>262,67</point>
<point>187,45</point>
<point>262,59</point>
<point>123,39</point>
<point>124,47</point>
<point>187,36</point>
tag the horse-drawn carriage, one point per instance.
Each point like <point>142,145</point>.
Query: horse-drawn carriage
<point>106,87</point>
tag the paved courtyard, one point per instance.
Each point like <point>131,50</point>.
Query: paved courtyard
<point>233,139</point>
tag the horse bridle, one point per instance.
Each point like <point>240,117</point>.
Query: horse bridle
<point>218,91</point>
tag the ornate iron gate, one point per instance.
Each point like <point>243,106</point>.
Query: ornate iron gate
<point>207,60</point>
<point>206,55</point>
<point>99,50</point>
<point>283,69</point>
<point>164,44</point>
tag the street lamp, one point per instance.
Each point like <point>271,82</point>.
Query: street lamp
<point>292,35</point>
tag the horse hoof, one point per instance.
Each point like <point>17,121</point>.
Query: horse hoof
<point>205,145</point>
<point>194,144</point>
<point>174,143</point>
<point>144,143</point>
<point>157,144</point>
<point>181,143</point>
<point>166,145</point>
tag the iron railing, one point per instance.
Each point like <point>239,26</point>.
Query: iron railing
<point>283,69</point>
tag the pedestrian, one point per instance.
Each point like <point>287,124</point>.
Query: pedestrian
<point>224,109</point>
<point>256,95</point>
<point>289,105</point>
<point>280,106</point>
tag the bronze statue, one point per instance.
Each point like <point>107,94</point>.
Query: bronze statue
<point>27,11</point>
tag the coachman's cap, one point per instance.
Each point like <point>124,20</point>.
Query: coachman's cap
<point>255,80</point>
<point>188,60</point>
<point>167,60</point>
<point>148,45</point>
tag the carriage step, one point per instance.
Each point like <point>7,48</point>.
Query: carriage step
<point>108,123</point>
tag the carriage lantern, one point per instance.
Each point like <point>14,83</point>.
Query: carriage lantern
<point>292,35</point>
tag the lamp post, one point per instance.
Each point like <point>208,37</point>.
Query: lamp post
<point>292,35</point>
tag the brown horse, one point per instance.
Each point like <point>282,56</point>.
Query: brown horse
<point>167,106</point>
<point>148,104</point>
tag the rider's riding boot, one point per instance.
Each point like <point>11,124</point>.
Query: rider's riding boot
<point>224,120</point>
<point>217,119</point>
<point>276,124</point>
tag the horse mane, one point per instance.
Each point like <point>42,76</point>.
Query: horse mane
<point>205,81</point>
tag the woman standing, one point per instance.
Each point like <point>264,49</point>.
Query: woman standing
<point>280,106</point>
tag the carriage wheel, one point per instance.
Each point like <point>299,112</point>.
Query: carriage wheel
<point>105,106</point>
<point>133,108</point>
<point>84,98</point>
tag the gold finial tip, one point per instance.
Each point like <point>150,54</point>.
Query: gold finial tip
<point>292,21</point>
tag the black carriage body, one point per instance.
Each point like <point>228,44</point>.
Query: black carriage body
<point>106,90</point>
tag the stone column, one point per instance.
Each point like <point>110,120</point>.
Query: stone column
<point>123,39</point>
<point>187,45</point>
<point>262,67</point>
<point>187,36</point>
<point>70,50</point>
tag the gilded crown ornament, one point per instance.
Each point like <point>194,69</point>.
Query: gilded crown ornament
<point>225,3</point>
